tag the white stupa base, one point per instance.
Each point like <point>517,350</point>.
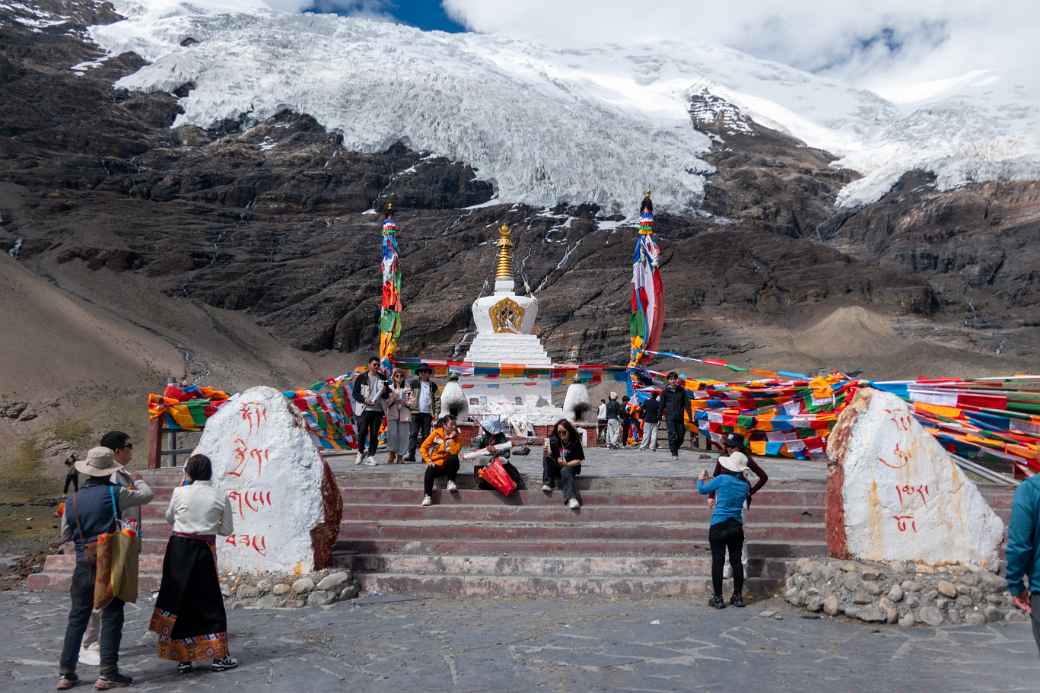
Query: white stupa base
<point>519,400</point>
<point>508,348</point>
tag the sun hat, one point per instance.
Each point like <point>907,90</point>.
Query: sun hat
<point>737,462</point>
<point>100,462</point>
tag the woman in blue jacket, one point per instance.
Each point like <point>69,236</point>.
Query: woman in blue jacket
<point>731,491</point>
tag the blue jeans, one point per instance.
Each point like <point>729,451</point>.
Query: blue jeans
<point>82,593</point>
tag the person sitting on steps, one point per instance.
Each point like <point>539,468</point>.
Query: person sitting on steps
<point>726,533</point>
<point>562,460</point>
<point>440,452</point>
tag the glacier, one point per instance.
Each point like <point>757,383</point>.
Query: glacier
<point>548,125</point>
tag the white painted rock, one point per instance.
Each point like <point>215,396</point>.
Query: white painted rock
<point>576,403</point>
<point>274,477</point>
<point>893,493</point>
<point>453,401</point>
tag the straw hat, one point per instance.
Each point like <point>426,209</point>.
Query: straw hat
<point>737,462</point>
<point>100,462</point>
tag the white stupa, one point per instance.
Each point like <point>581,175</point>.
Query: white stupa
<point>505,335</point>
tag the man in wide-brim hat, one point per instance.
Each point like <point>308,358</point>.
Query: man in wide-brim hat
<point>427,408</point>
<point>89,512</point>
<point>100,462</point>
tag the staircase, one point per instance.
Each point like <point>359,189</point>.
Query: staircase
<point>635,537</point>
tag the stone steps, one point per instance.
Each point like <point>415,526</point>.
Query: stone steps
<point>634,536</point>
<point>567,587</point>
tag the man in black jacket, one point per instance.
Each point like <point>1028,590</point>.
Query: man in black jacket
<point>675,402</point>
<point>651,418</point>
<point>425,409</point>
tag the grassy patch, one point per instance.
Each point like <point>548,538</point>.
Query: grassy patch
<point>24,475</point>
<point>75,432</point>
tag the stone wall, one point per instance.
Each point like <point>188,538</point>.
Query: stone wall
<point>899,592</point>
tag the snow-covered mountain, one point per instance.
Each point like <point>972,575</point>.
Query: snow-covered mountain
<point>548,125</point>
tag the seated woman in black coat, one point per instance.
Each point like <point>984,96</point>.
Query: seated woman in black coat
<point>562,460</point>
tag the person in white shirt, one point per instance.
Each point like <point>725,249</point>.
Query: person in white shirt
<point>425,410</point>
<point>189,615</point>
<point>601,421</point>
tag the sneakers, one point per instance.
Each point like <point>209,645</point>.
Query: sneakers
<point>716,602</point>
<point>224,664</point>
<point>426,501</point>
<point>67,681</point>
<point>546,488</point>
<point>370,461</point>
<point>573,504</point>
<point>184,668</point>
<point>107,682</point>
<point>90,655</point>
<point>737,601</point>
<point>410,458</point>
<point>452,488</point>
<point>360,458</point>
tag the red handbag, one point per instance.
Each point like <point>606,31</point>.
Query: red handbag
<point>496,475</point>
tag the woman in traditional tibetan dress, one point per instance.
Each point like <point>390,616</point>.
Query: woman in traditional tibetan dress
<point>189,615</point>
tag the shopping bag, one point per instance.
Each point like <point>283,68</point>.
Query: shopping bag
<point>117,563</point>
<point>496,475</point>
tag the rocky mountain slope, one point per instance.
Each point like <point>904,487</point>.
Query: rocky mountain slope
<point>245,249</point>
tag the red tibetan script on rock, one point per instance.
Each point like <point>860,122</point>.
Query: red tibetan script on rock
<point>253,413</point>
<point>245,454</point>
<point>256,542</point>
<point>253,501</point>
<point>905,523</point>
<point>900,458</point>
<point>905,491</point>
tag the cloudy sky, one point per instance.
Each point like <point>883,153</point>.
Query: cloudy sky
<point>889,46</point>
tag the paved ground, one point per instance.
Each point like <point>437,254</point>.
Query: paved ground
<point>409,644</point>
<point>613,463</point>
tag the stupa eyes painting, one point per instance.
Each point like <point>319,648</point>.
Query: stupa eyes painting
<point>506,316</point>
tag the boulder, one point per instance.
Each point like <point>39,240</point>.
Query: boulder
<point>930,615</point>
<point>894,494</point>
<point>284,500</point>
<point>333,581</point>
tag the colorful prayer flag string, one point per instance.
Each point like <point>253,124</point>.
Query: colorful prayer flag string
<point>390,313</point>
<point>646,316</point>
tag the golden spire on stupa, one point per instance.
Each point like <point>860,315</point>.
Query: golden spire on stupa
<point>505,254</point>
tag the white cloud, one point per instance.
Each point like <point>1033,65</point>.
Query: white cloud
<point>939,39</point>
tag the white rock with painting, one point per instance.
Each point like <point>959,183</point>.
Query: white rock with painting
<point>266,462</point>
<point>894,494</point>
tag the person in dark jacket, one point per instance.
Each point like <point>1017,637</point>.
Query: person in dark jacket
<point>675,402</point>
<point>371,390</point>
<point>626,420</point>
<point>89,512</point>
<point>425,409</point>
<point>562,460</point>
<point>71,476</point>
<point>651,420</point>
<point>1023,551</point>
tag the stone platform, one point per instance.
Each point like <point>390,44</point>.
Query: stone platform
<point>642,531</point>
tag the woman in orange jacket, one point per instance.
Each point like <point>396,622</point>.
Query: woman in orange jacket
<point>440,452</point>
